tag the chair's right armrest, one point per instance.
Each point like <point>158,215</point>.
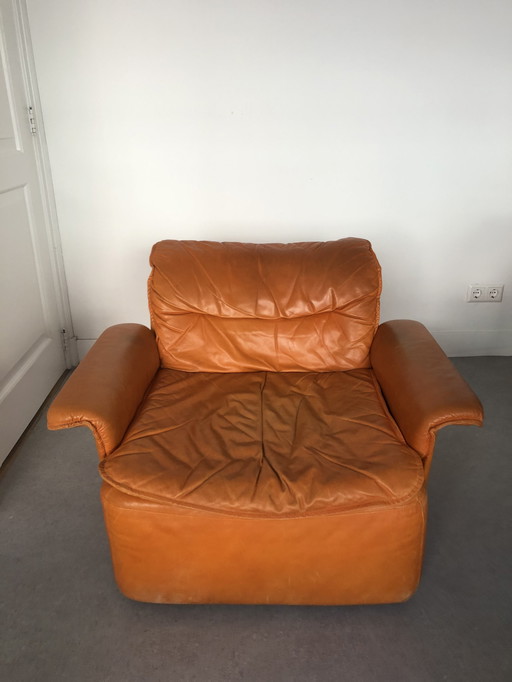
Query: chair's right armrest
<point>423,389</point>
<point>107,387</point>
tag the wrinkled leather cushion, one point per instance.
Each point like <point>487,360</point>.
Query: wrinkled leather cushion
<point>310,306</point>
<point>265,444</point>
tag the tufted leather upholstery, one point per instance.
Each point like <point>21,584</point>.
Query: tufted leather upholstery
<point>265,442</point>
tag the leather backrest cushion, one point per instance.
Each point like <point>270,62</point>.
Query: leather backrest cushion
<point>234,307</point>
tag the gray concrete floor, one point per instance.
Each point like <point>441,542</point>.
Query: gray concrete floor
<point>62,617</point>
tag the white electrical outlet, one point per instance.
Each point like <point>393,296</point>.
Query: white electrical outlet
<point>495,293</point>
<point>484,294</point>
<point>475,293</point>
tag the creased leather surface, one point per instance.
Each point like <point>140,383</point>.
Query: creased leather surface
<point>309,306</point>
<point>265,444</point>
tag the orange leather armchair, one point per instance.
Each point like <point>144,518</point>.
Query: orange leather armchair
<point>266,441</point>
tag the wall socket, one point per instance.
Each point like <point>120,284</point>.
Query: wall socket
<point>485,294</point>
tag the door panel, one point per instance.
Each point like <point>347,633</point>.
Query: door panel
<point>17,272</point>
<point>9,140</point>
<point>31,354</point>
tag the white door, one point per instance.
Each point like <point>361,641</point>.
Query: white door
<point>31,301</point>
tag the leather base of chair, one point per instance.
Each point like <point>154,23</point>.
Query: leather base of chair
<point>165,554</point>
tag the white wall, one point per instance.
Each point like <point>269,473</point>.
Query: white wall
<point>284,120</point>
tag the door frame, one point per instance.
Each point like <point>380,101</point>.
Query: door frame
<point>51,224</point>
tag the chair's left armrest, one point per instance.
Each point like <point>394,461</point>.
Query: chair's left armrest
<point>421,386</point>
<point>107,387</point>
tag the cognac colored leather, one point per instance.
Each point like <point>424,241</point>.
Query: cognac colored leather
<point>422,387</point>
<point>305,307</point>
<point>313,427</point>
<point>107,387</point>
<point>170,554</point>
<point>266,442</point>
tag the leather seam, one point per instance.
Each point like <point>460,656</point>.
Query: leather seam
<point>453,420</point>
<point>420,550</point>
<point>387,411</point>
<point>315,313</point>
<point>328,511</point>
<point>379,290</point>
<point>219,515</point>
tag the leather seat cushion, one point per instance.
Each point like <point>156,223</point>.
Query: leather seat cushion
<point>265,444</point>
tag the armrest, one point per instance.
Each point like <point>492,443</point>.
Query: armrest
<point>107,387</point>
<point>421,386</point>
